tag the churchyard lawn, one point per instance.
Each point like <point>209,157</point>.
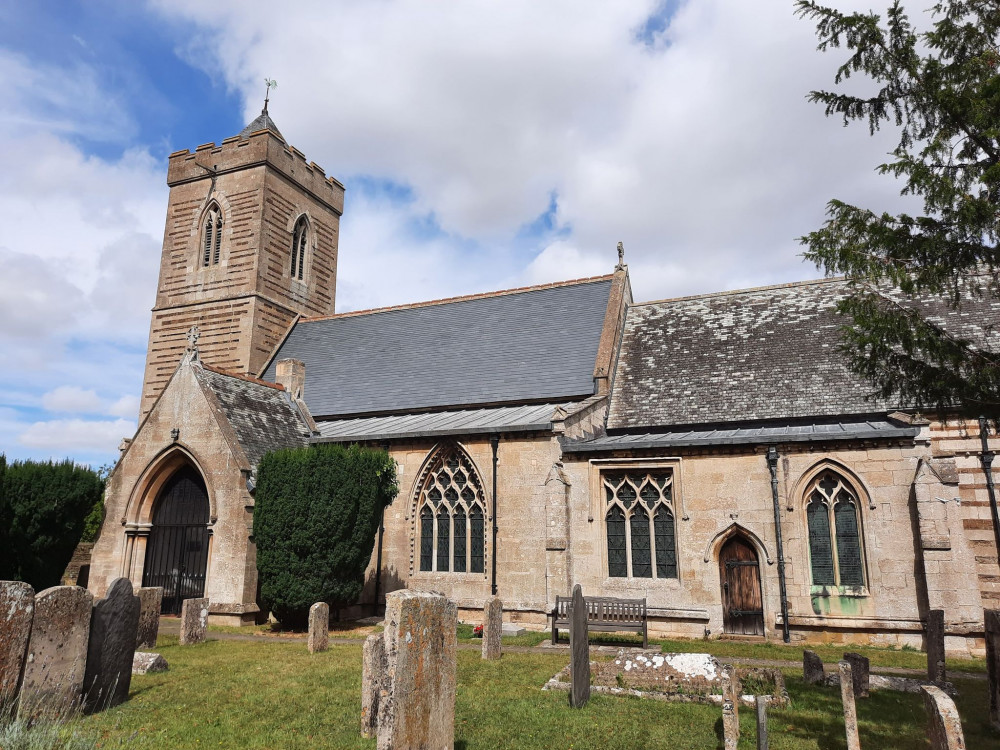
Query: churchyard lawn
<point>273,694</point>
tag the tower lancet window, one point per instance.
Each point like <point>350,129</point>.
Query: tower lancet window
<point>212,235</point>
<point>299,243</point>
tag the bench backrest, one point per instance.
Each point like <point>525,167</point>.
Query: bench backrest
<point>601,609</point>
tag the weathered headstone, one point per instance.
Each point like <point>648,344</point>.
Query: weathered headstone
<point>812,668</point>
<point>150,603</point>
<point>860,670</point>
<point>17,605</point>
<point>373,678</point>
<point>418,710</point>
<point>492,628</point>
<point>761,705</point>
<point>935,646</point>
<point>113,628</point>
<point>319,627</point>
<point>992,617</point>
<point>730,707</point>
<point>579,649</point>
<point>145,662</point>
<point>194,621</point>
<point>57,653</point>
<point>850,710</point>
<point>944,726</point>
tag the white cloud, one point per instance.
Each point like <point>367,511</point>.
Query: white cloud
<point>73,400</point>
<point>59,435</point>
<point>126,406</point>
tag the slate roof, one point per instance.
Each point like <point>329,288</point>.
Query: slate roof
<point>500,419</point>
<point>263,121</point>
<point>751,355</point>
<point>261,415</point>
<point>533,345</point>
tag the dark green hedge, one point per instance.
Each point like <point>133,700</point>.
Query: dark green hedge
<point>316,514</point>
<point>43,507</point>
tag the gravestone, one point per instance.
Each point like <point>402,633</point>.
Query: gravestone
<point>935,646</point>
<point>52,684</point>
<point>418,706</point>
<point>944,726</point>
<point>860,670</point>
<point>992,617</point>
<point>761,705</point>
<point>730,707</point>
<point>812,668</point>
<point>113,628</point>
<point>194,621</point>
<point>150,603</point>
<point>17,605</point>
<point>579,648</point>
<point>319,627</point>
<point>145,662</point>
<point>850,710</point>
<point>373,673</point>
<point>492,628</point>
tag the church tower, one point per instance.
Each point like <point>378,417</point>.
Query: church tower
<point>250,243</point>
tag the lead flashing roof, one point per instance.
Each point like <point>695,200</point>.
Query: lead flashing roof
<point>534,345</point>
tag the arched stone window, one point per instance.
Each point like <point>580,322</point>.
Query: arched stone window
<point>300,240</point>
<point>834,521</point>
<point>211,234</point>
<point>639,521</point>
<point>452,516</point>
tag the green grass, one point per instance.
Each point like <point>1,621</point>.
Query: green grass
<point>254,695</point>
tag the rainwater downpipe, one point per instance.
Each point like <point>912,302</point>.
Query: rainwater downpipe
<point>772,465</point>
<point>986,456</point>
<point>378,555</point>
<point>494,444</point>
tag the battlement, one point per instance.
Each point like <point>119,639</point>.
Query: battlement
<point>259,149</point>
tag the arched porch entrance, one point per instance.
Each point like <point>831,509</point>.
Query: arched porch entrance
<point>742,601</point>
<point>177,551</point>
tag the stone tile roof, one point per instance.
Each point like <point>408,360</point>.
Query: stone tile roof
<point>751,355</point>
<point>528,345</point>
<point>261,415</point>
<point>263,121</point>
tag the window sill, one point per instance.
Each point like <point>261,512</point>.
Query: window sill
<point>641,584</point>
<point>440,575</point>
<point>855,592</point>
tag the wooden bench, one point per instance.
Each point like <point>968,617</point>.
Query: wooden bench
<point>604,613</point>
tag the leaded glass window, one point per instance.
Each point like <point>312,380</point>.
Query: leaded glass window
<point>212,235</point>
<point>833,519</point>
<point>299,243</point>
<point>639,522</point>
<point>452,516</point>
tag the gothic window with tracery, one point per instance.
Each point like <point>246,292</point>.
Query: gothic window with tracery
<point>452,516</point>
<point>639,521</point>
<point>833,518</point>
<point>299,242</point>
<point>212,235</point>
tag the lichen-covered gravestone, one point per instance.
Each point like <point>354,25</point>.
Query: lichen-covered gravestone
<point>113,630</point>
<point>418,706</point>
<point>57,653</point>
<point>760,703</point>
<point>17,605</point>
<point>935,646</point>
<point>492,628</point>
<point>992,617</point>
<point>944,726</point>
<point>850,710</point>
<point>319,627</point>
<point>812,668</point>
<point>730,707</point>
<point>579,649</point>
<point>150,603</point>
<point>145,662</point>
<point>860,671</point>
<point>194,621</point>
<point>373,677</point>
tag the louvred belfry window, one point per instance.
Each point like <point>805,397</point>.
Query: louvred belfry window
<point>452,516</point>
<point>639,522</point>
<point>212,235</point>
<point>299,243</point>
<point>833,520</point>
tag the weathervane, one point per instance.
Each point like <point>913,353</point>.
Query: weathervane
<point>271,84</point>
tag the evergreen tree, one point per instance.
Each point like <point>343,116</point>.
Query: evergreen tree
<point>940,87</point>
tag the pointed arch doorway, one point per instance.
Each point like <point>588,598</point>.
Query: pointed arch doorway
<point>742,601</point>
<point>177,551</point>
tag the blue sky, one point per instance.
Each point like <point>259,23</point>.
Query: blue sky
<point>483,145</point>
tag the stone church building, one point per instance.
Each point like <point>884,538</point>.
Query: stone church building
<point>711,454</point>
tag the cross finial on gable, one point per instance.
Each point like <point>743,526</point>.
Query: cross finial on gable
<point>621,256</point>
<point>192,336</point>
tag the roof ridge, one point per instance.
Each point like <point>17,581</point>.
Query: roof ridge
<point>748,290</point>
<point>248,378</point>
<point>460,298</point>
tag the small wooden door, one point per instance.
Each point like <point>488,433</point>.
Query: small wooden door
<point>742,603</point>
